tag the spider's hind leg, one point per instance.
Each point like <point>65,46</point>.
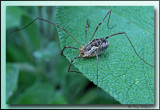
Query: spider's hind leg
<point>131,45</point>
<point>97,76</point>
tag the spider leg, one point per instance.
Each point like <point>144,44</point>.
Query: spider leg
<point>131,45</point>
<point>108,22</point>
<point>97,76</point>
<point>71,64</point>
<point>87,25</point>
<point>49,23</point>
<point>102,22</point>
<point>67,47</point>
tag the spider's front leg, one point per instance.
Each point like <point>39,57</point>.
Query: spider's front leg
<point>87,25</point>
<point>67,47</point>
<point>71,64</point>
<point>102,22</point>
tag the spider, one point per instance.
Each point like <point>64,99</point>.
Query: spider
<point>94,47</point>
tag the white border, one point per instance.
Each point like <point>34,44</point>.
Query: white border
<point>81,3</point>
<point>76,3</point>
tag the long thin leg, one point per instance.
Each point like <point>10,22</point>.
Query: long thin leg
<point>97,77</point>
<point>67,47</point>
<point>50,23</point>
<point>102,22</point>
<point>71,64</point>
<point>86,31</point>
<point>131,45</point>
<point>108,22</point>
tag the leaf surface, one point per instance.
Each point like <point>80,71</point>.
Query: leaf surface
<point>121,72</point>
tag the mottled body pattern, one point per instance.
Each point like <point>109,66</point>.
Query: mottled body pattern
<point>96,46</point>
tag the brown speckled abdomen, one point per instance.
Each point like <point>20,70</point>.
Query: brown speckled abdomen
<point>97,45</point>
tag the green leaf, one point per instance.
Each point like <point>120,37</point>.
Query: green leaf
<point>40,93</point>
<point>11,79</point>
<point>122,73</point>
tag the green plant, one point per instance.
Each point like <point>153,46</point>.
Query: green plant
<point>36,72</point>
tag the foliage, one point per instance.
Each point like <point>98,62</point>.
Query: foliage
<point>11,80</point>
<point>36,72</point>
<point>122,73</point>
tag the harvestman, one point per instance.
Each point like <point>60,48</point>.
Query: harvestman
<point>94,47</point>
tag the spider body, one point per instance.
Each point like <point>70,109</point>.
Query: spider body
<point>96,46</point>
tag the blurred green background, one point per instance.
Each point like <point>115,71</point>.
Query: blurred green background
<point>36,73</point>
